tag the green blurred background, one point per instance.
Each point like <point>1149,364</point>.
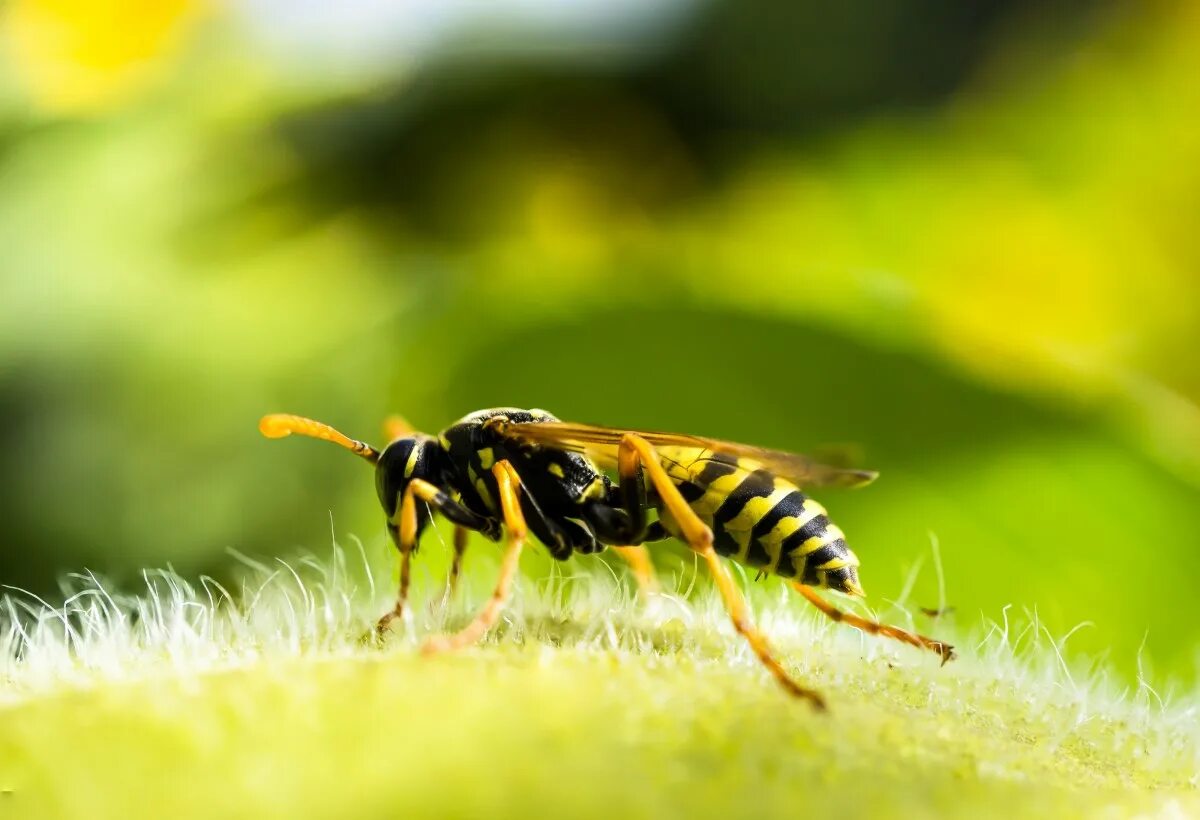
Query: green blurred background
<point>962,236</point>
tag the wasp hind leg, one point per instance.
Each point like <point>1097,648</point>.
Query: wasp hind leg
<point>636,456</point>
<point>509,484</point>
<point>405,537</point>
<point>945,650</point>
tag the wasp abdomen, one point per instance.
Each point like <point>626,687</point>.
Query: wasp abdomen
<point>763,521</point>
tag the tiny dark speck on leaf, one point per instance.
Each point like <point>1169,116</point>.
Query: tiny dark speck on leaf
<point>937,613</point>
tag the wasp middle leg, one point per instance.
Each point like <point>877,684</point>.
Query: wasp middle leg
<point>461,534</point>
<point>509,484</point>
<point>636,456</point>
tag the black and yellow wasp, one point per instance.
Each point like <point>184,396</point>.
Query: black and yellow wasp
<point>503,472</point>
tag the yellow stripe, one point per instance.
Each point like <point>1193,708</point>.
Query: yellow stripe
<point>831,534</point>
<point>480,487</point>
<point>595,489</point>
<point>487,458</point>
<point>556,469</point>
<point>686,463</point>
<point>772,542</point>
<point>715,494</point>
<point>780,533</point>
<point>833,563</point>
<point>849,560</point>
<point>811,510</point>
<point>741,525</point>
<point>411,464</point>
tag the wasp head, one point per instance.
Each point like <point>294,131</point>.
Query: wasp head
<point>406,458</point>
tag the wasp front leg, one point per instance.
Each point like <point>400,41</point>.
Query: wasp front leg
<point>406,533</point>
<point>637,457</point>
<point>397,610</point>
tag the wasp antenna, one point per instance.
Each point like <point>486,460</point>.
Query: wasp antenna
<point>281,425</point>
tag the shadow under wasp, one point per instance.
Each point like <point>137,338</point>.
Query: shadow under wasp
<point>506,472</point>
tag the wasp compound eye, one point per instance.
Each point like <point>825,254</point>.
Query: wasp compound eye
<point>397,465</point>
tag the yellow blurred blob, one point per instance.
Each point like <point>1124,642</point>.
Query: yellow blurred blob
<point>1026,299</point>
<point>81,56</point>
<point>566,217</point>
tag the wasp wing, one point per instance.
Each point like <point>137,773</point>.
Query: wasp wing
<point>601,444</point>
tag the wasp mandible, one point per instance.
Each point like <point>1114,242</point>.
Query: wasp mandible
<point>505,472</point>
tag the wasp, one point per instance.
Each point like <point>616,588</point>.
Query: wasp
<point>507,472</point>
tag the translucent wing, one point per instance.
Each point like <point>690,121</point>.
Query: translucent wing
<point>601,443</point>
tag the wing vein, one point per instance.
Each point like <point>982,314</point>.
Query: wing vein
<point>602,443</point>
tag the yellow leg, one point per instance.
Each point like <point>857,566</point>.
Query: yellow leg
<point>461,534</point>
<point>509,484</point>
<point>397,610</point>
<point>874,627</point>
<point>639,561</point>
<point>406,540</point>
<point>635,452</point>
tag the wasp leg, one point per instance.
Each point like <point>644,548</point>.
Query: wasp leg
<point>397,610</point>
<point>636,454</point>
<point>460,546</point>
<point>509,484</point>
<point>395,427</point>
<point>461,535</point>
<point>875,627</point>
<point>405,535</point>
<point>638,558</point>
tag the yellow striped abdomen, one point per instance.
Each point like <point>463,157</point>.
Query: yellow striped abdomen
<point>759,519</point>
